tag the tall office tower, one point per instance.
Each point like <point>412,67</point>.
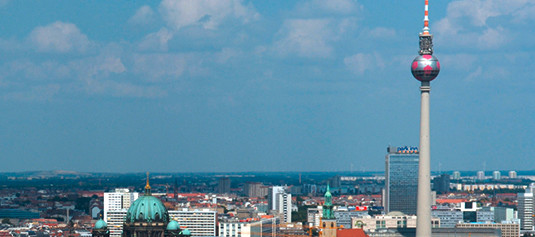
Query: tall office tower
<point>441,184</point>
<point>480,175</point>
<point>496,175</point>
<point>253,189</point>
<point>525,209</point>
<point>280,201</point>
<point>284,206</point>
<point>512,174</point>
<point>116,205</point>
<point>401,178</point>
<point>456,175</point>
<point>425,68</point>
<point>224,185</point>
<point>328,220</point>
<point>273,197</point>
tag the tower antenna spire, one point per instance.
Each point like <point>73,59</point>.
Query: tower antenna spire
<point>426,38</point>
<point>426,18</point>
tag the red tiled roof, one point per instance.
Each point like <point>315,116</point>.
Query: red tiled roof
<point>351,233</point>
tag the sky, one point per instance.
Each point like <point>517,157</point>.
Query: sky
<point>238,85</point>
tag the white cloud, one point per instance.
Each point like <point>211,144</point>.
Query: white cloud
<point>306,38</point>
<point>159,67</point>
<point>479,11</point>
<point>144,15</point>
<point>156,41</point>
<point>112,64</point>
<point>467,22</point>
<point>330,7</point>
<point>360,63</point>
<point>59,37</point>
<point>493,38</point>
<point>207,13</point>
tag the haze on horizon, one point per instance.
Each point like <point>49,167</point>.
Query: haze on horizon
<point>237,85</point>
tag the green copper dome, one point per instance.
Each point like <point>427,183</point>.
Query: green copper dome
<point>173,225</point>
<point>185,232</point>
<point>147,208</point>
<point>100,224</point>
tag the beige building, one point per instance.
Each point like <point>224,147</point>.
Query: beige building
<point>391,220</point>
<point>508,229</point>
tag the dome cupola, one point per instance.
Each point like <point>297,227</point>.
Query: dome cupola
<point>147,208</point>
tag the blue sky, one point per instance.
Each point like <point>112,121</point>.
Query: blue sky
<point>232,85</point>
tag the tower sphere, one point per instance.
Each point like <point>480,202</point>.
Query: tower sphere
<point>425,67</point>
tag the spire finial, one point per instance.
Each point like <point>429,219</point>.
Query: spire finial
<point>147,187</point>
<point>426,18</point>
<point>426,38</point>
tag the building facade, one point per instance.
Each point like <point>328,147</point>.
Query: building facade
<point>199,222</point>
<point>255,189</point>
<point>224,185</point>
<point>260,228</point>
<point>525,210</point>
<point>401,179</point>
<point>394,220</point>
<point>507,229</point>
<point>448,217</point>
<point>116,205</point>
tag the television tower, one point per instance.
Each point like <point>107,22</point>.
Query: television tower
<point>425,68</point>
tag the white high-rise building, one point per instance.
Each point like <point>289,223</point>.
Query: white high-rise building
<point>284,207</point>
<point>512,174</point>
<point>116,205</point>
<point>496,175</point>
<point>200,222</point>
<point>272,196</point>
<point>525,210</point>
<point>480,175</point>
<point>456,175</point>
<point>280,201</point>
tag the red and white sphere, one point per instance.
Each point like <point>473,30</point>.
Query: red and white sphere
<point>425,67</point>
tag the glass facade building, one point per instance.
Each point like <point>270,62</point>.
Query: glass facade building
<point>401,179</point>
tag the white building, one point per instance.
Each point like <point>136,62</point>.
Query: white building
<point>496,175</point>
<point>512,174</point>
<point>116,205</point>
<point>391,220</point>
<point>264,227</point>
<point>480,175</point>
<point>456,175</point>
<point>199,222</point>
<point>280,201</point>
<point>510,229</point>
<point>525,210</point>
<point>313,216</point>
<point>284,207</point>
<point>272,196</point>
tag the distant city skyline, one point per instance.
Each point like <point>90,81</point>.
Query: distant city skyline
<point>307,85</point>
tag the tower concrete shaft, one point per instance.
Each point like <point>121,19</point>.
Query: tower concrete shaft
<point>423,211</point>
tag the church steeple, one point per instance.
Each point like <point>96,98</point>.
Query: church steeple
<point>147,187</point>
<point>328,205</point>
